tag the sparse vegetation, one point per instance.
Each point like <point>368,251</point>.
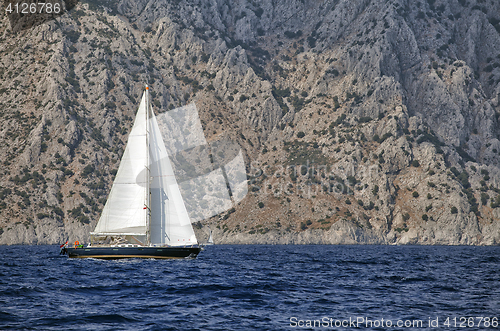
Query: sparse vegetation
<point>329,114</point>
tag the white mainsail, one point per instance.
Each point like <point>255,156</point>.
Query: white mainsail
<point>145,199</point>
<point>124,212</point>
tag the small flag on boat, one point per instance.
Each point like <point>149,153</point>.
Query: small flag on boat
<point>63,244</point>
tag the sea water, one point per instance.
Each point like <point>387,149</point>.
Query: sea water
<point>255,287</point>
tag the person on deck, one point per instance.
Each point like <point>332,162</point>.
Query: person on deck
<point>63,250</point>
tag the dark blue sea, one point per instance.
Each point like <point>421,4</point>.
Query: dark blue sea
<point>255,288</point>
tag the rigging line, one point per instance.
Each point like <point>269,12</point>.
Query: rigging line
<point>148,171</point>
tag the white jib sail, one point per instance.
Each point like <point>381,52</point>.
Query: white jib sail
<point>169,223</point>
<point>124,212</point>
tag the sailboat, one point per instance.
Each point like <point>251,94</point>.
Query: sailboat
<point>210,239</point>
<point>145,215</point>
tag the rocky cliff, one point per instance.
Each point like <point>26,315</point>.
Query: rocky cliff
<point>361,121</point>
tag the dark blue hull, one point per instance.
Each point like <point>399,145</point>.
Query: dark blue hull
<point>111,253</point>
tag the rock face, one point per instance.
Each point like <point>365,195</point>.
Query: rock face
<point>371,122</point>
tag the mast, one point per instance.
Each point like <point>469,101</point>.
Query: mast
<point>148,175</point>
